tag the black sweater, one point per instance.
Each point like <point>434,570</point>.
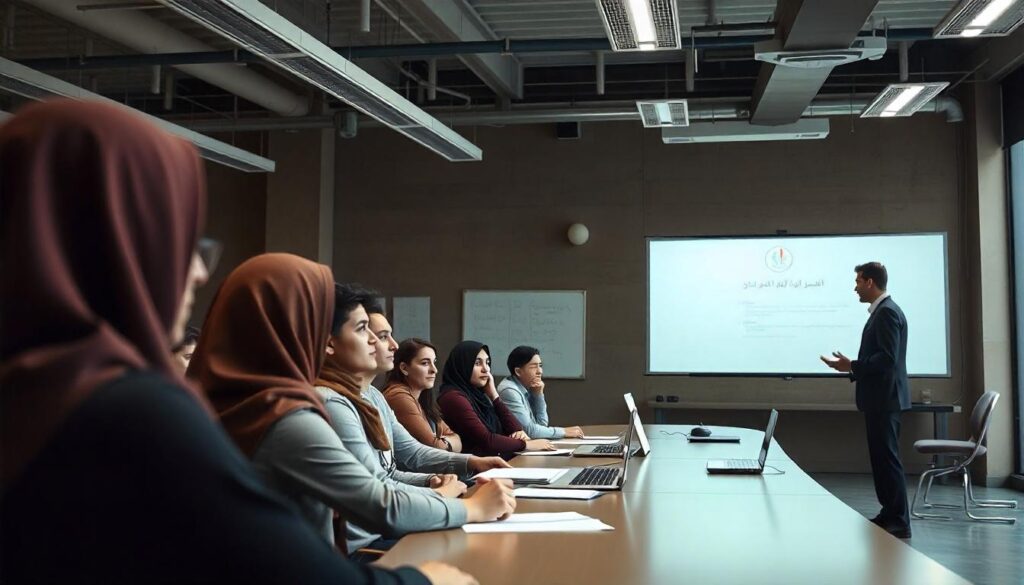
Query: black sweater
<point>139,485</point>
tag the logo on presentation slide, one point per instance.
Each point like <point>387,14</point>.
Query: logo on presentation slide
<point>778,259</point>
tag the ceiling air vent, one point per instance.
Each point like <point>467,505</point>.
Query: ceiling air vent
<point>902,99</point>
<point>771,51</point>
<point>981,18</point>
<point>640,25</point>
<point>29,83</point>
<point>260,30</point>
<point>664,113</point>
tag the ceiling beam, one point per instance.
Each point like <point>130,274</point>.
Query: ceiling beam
<point>455,20</point>
<point>781,93</point>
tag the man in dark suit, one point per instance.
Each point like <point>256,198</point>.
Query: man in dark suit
<point>883,393</point>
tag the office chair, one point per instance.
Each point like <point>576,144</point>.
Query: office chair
<point>963,453</point>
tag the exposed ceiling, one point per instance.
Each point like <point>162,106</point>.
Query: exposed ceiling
<point>723,30</point>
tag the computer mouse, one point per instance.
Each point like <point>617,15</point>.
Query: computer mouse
<point>700,432</point>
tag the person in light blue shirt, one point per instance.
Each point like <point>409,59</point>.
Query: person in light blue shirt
<point>523,392</point>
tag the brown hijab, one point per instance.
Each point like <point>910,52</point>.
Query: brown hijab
<point>347,385</point>
<point>263,343</point>
<point>100,212</point>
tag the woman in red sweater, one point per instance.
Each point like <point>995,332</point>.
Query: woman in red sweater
<point>470,405</point>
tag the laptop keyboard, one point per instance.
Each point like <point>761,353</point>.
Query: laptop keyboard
<point>743,463</point>
<point>596,476</point>
<point>607,449</point>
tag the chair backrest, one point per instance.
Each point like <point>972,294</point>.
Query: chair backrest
<point>981,416</point>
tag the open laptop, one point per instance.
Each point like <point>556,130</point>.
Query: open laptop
<point>599,477</point>
<point>747,466</point>
<point>615,449</point>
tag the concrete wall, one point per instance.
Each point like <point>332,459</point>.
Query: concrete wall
<point>409,223</point>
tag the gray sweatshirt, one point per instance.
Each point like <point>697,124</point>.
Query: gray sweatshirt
<point>407,466</point>
<point>303,458</point>
<point>529,408</point>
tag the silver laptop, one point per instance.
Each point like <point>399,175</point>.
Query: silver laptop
<point>615,449</point>
<point>599,477</point>
<point>747,466</point>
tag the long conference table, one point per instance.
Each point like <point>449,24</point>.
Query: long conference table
<point>674,523</point>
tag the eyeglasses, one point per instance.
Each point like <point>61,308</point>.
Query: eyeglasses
<point>209,251</point>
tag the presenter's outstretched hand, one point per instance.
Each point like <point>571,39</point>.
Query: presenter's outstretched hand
<point>838,362</point>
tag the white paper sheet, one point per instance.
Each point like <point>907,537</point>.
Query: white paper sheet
<point>541,522</point>
<point>540,453</point>
<point>555,494</point>
<point>524,474</point>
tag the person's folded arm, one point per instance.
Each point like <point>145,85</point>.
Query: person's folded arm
<point>459,414</point>
<point>306,453</point>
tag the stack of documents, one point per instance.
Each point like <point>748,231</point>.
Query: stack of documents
<point>541,522</point>
<point>536,475</point>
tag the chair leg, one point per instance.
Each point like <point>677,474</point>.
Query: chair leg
<point>967,503</point>
<point>988,503</point>
<point>928,490</point>
<point>929,474</point>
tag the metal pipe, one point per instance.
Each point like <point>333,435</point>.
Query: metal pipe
<point>599,71</point>
<point>169,91</point>
<point>704,110</point>
<point>155,80</point>
<point>432,80</point>
<point>691,68</point>
<point>146,34</point>
<point>904,48</point>
<point>406,50</point>
<point>364,16</point>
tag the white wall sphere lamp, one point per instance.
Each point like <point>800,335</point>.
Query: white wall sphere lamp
<point>578,234</point>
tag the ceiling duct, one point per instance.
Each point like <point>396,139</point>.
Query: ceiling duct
<point>641,25</point>
<point>772,51</point>
<point>739,131</point>
<point>264,32</point>
<point>664,113</point>
<point>902,99</point>
<point>32,84</point>
<point>981,18</point>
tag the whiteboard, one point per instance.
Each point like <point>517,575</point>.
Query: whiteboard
<point>553,321</point>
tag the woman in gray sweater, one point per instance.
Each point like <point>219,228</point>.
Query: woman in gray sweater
<point>367,426</point>
<point>260,354</point>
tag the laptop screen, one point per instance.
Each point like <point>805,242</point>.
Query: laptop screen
<point>645,445</point>
<point>768,432</point>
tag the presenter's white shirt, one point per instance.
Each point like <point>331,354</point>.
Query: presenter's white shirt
<point>878,301</point>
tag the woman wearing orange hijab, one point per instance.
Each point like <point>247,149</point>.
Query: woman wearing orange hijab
<point>113,468</point>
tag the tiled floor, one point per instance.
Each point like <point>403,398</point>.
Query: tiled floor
<point>986,554</point>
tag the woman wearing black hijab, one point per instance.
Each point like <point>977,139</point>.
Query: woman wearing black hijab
<point>113,469</point>
<point>470,405</point>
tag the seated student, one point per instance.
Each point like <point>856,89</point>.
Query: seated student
<point>113,469</point>
<point>183,352</point>
<point>523,393</point>
<point>262,347</point>
<point>361,417</point>
<point>471,406</point>
<point>409,390</point>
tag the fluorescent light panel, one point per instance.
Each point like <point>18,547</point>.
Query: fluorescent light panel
<point>974,18</point>
<point>664,113</point>
<point>259,29</point>
<point>902,99</point>
<point>641,25</point>
<point>29,83</point>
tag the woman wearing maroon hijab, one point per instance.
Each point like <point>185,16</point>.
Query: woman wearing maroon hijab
<point>113,469</point>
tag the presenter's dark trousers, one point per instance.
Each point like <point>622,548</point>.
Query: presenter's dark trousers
<point>883,430</point>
